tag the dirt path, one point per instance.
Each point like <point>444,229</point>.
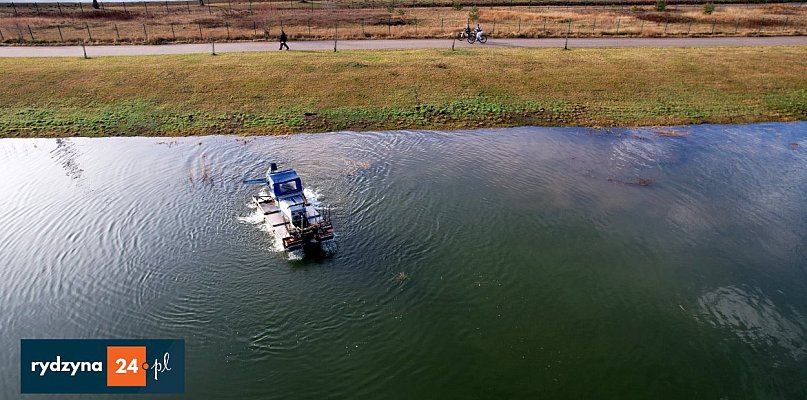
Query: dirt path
<point>137,50</point>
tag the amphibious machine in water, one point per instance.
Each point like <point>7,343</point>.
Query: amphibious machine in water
<point>288,213</point>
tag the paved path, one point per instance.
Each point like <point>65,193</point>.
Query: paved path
<point>137,50</point>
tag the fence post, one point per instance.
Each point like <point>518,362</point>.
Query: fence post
<point>519,26</point>
<point>389,27</point>
<point>146,5</point>
<point>494,27</point>
<point>713,26</point>
<point>31,32</point>
<point>227,25</point>
<point>173,33</point>
<point>255,30</point>
<point>15,8</point>
<point>145,33</point>
<point>666,21</point>
<point>441,25</point>
<point>641,29</point>
<point>250,6</point>
<point>213,46</point>
<point>88,31</point>
<point>737,25</point>
<point>545,32</point>
<point>594,26</point>
<point>84,49</point>
<point>166,8</point>
<point>617,26</point>
<point>335,35</point>
<point>785,24</point>
<point>200,31</point>
<point>188,6</point>
<point>124,7</point>
<point>80,6</point>
<point>60,8</point>
<point>2,39</point>
<point>363,33</point>
<point>689,28</point>
<point>566,44</point>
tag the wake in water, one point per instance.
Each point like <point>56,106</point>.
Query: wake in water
<point>257,219</point>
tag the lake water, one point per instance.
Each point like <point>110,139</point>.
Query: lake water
<point>506,263</point>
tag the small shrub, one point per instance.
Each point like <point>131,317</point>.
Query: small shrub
<point>390,9</point>
<point>634,9</point>
<point>709,8</point>
<point>456,5</point>
<point>473,15</point>
<point>401,12</point>
<point>661,5</point>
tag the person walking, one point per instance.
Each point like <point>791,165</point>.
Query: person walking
<point>283,40</point>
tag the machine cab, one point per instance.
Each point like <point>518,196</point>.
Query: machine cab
<point>284,184</point>
<point>287,189</point>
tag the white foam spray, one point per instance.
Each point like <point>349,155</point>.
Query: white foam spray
<point>257,219</point>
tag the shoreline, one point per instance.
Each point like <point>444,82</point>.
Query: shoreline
<point>659,131</point>
<point>497,121</point>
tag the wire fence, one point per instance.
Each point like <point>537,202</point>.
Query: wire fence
<point>192,22</point>
<point>156,7</point>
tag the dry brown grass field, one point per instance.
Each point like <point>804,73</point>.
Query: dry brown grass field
<point>179,21</point>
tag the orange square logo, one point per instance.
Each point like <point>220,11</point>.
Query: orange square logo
<point>125,366</point>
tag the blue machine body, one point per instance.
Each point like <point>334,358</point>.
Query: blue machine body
<point>284,184</point>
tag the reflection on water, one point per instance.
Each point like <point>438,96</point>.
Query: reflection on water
<point>66,154</point>
<point>505,263</point>
<point>756,320</point>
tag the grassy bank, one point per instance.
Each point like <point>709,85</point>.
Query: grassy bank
<point>271,93</point>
